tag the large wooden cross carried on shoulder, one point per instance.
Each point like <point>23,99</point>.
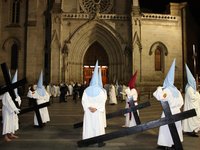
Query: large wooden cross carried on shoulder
<point>9,87</point>
<point>121,112</point>
<point>169,120</point>
<point>36,108</point>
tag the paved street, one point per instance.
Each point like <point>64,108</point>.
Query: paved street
<point>59,133</point>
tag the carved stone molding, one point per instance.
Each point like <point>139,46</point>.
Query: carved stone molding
<point>66,16</point>
<point>159,17</point>
<point>96,6</point>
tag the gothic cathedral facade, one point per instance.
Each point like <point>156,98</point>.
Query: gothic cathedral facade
<point>64,38</point>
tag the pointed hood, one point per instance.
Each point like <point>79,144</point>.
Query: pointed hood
<point>94,88</point>
<point>40,88</point>
<point>131,83</point>
<point>94,80</point>
<point>15,80</point>
<point>100,79</point>
<point>169,80</point>
<point>191,80</point>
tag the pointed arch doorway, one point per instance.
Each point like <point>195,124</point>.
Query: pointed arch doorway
<point>95,52</point>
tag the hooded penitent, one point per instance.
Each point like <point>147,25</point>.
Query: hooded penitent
<point>131,83</point>
<point>15,80</point>
<point>40,88</point>
<point>169,80</point>
<point>191,80</point>
<point>94,88</point>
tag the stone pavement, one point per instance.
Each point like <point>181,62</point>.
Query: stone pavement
<point>59,133</point>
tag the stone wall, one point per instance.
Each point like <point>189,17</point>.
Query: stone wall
<point>113,30</point>
<point>11,33</point>
<point>165,29</point>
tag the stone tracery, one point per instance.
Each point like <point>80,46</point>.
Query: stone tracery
<point>94,6</point>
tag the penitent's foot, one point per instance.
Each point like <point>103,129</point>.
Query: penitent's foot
<point>7,139</point>
<point>12,136</point>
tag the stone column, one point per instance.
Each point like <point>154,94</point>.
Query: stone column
<point>136,35</point>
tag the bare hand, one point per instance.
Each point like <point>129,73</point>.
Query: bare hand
<point>92,109</point>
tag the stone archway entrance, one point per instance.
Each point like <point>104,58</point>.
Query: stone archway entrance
<point>90,37</point>
<point>88,71</point>
<point>95,52</point>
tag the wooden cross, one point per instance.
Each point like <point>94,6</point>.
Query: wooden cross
<point>36,109</point>
<point>135,113</point>
<point>122,112</point>
<point>172,126</point>
<point>168,120</point>
<point>9,87</point>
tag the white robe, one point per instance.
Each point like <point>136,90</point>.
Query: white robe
<point>116,89</point>
<point>192,101</point>
<point>43,111</point>
<point>49,89</point>
<point>112,95</point>
<point>54,91</point>
<point>57,91</point>
<point>175,104</point>
<point>129,123</point>
<point>123,91</point>
<point>93,123</point>
<point>70,87</point>
<point>104,113</point>
<point>9,114</point>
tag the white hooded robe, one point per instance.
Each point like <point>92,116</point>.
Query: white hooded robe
<point>9,114</point>
<point>192,101</point>
<point>175,104</point>
<point>112,95</point>
<point>93,123</point>
<point>132,93</point>
<point>40,100</point>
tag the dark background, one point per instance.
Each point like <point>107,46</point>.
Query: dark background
<point>159,6</point>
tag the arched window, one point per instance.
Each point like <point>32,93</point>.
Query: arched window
<point>15,11</point>
<point>14,56</point>
<point>158,60</point>
<point>160,51</point>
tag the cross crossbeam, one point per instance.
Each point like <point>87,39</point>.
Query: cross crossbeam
<point>9,87</point>
<point>140,128</point>
<point>36,108</point>
<point>122,112</point>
